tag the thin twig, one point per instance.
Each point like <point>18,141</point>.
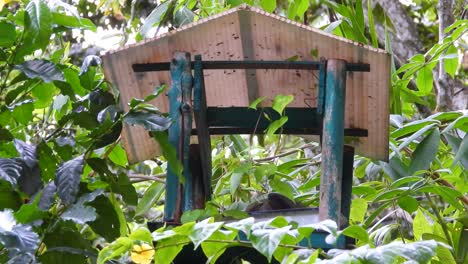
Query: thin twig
<point>283,154</point>
<point>436,176</point>
<point>141,177</point>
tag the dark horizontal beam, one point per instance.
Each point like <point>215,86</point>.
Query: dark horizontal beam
<point>231,65</point>
<point>243,120</point>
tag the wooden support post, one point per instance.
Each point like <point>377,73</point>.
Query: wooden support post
<point>179,135</point>
<point>347,183</point>
<point>204,140</point>
<point>332,142</point>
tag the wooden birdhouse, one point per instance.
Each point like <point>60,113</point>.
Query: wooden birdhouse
<point>246,33</point>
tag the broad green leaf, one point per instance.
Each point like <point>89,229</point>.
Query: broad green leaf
<point>193,216</point>
<point>275,125</point>
<point>425,152</point>
<point>454,143</point>
<point>30,212</point>
<point>255,103</point>
<point>169,153</point>
<point>421,225</point>
<point>150,197</point>
<point>118,156</point>
<point>411,128</point>
<point>282,187</point>
<point>358,210</point>
<point>8,197</point>
<point>203,230</point>
<point>80,214</point>
<point>7,34</point>
<point>213,250</point>
<point>142,234</point>
<point>151,122</point>
<point>237,176</point>
<point>72,21</point>
<point>357,232</point>
<point>67,179</point>
<point>168,249</point>
<point>281,101</point>
<point>16,236</point>
<point>155,17</point>
<point>45,70</point>
<point>244,225</point>
<point>405,180</point>
<point>266,241</point>
<point>47,196</point>
<point>424,80</point>
<point>451,63</point>
<point>183,16</point>
<point>40,22</point>
<point>264,170</point>
<point>119,247</point>
<point>268,5</point>
<point>23,112</point>
<point>414,136</point>
<point>462,150</point>
<point>408,203</point>
<point>11,170</point>
<point>107,223</point>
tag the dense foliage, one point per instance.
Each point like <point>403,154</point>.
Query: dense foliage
<point>68,194</point>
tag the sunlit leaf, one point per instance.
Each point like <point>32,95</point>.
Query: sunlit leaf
<point>45,70</point>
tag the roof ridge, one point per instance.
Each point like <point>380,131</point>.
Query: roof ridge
<point>243,7</point>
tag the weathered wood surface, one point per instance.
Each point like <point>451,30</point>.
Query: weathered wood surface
<point>248,33</point>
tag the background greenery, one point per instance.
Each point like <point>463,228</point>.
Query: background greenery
<point>68,194</point>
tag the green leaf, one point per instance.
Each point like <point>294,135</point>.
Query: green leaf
<point>47,161</point>
<point>357,232</point>
<point>30,212</point>
<point>45,70</point>
<point>414,136</point>
<point>408,203</point>
<point>67,179</point>
<point>142,234</point>
<point>183,16</point>
<point>80,214</point>
<point>203,230</point>
<point>275,125</point>
<point>421,225</point>
<point>424,80</point>
<point>268,5</point>
<point>11,170</point>
<point>167,249</point>
<point>72,21</point>
<point>254,104</point>
<point>107,224</point>
<point>373,33</point>
<point>151,122</point>
<point>237,176</point>
<point>7,34</point>
<point>462,151</point>
<point>169,153</point>
<point>451,62</point>
<point>39,23</point>
<point>266,241</point>
<point>358,210</point>
<point>150,197</point>
<point>280,102</point>
<point>155,17</point>
<point>8,197</point>
<point>116,249</point>
<point>425,152</point>
<point>23,112</point>
<point>213,250</point>
<point>15,236</point>
<point>282,187</point>
<point>244,225</point>
<point>264,170</point>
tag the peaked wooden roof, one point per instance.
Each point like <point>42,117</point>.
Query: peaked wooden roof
<point>247,33</point>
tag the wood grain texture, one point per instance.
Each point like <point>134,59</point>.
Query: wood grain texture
<point>262,36</point>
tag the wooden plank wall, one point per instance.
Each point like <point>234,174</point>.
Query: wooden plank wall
<point>248,33</point>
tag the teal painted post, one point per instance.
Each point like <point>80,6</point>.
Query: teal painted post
<point>178,136</point>
<point>200,108</point>
<point>332,142</point>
